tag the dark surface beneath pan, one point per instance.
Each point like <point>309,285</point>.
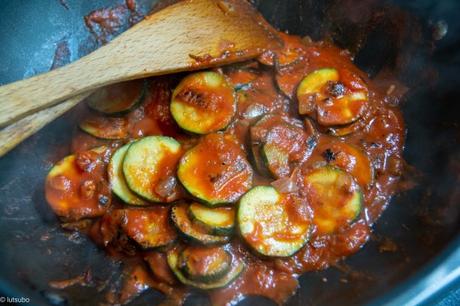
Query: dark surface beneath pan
<point>422,223</point>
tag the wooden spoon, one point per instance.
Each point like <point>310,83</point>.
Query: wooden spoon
<point>188,35</point>
<point>15,133</point>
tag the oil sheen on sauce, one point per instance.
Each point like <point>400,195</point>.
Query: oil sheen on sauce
<point>266,86</point>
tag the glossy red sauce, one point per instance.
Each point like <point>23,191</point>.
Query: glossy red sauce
<point>149,227</point>
<point>370,150</point>
<point>217,166</point>
<point>201,261</point>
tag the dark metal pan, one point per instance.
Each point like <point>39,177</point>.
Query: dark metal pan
<point>421,223</point>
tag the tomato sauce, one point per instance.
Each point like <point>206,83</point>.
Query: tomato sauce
<point>218,168</point>
<point>369,149</point>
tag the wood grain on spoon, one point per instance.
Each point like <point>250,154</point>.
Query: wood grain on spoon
<point>15,133</point>
<point>189,35</point>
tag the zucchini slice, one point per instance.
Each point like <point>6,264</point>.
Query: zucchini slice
<point>345,130</point>
<point>287,80</point>
<point>204,264</point>
<point>273,224</point>
<point>260,98</point>
<point>352,160</point>
<point>293,51</point>
<point>191,231</point>
<point>203,102</point>
<point>105,127</point>
<point>149,163</point>
<point>334,196</point>
<point>235,270</point>
<point>215,171</point>
<point>276,159</point>
<point>258,137</point>
<point>241,79</point>
<point>285,146</point>
<point>117,179</point>
<point>337,98</point>
<point>149,227</point>
<point>117,98</point>
<point>75,189</point>
<point>216,221</point>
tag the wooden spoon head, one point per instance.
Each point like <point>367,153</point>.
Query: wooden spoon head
<point>200,34</point>
<point>189,35</point>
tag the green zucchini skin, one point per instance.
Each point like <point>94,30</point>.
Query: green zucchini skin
<point>335,197</point>
<point>104,127</point>
<point>216,221</point>
<point>328,84</point>
<point>285,148</point>
<point>276,160</point>
<point>147,162</point>
<point>236,268</point>
<point>117,180</point>
<point>118,99</point>
<point>203,102</point>
<point>215,171</point>
<point>205,264</point>
<point>258,134</point>
<point>266,223</point>
<point>191,232</point>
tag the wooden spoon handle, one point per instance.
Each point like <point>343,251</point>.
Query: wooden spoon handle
<point>186,36</point>
<point>17,132</point>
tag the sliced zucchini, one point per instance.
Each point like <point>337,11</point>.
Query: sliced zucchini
<point>285,145</point>
<point>260,129</point>
<point>117,98</point>
<point>192,232</point>
<point>74,193</point>
<point>287,80</point>
<point>291,52</point>
<point>158,264</point>
<point>148,163</point>
<point>335,97</point>
<point>203,102</point>
<point>235,270</point>
<point>276,159</point>
<point>345,130</point>
<point>273,224</point>
<point>352,160</point>
<point>215,171</point>
<point>204,264</point>
<point>117,179</point>
<point>105,127</point>
<point>216,221</point>
<point>149,227</point>
<point>261,98</point>
<point>258,137</point>
<point>334,196</point>
<point>241,79</point>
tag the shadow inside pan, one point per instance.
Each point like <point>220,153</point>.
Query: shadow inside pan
<point>419,223</point>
